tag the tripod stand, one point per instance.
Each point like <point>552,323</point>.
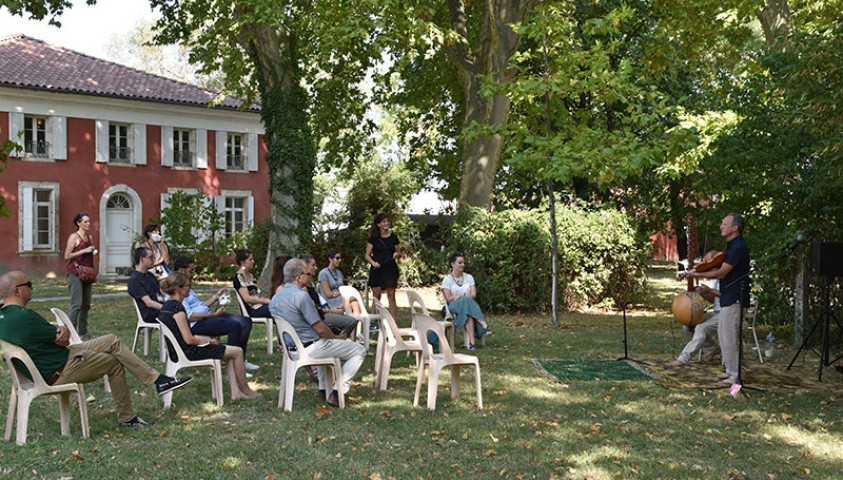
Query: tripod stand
<point>626,341</point>
<point>825,319</point>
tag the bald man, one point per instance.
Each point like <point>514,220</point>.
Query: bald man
<point>59,362</point>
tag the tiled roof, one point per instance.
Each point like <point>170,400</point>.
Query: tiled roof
<point>26,62</point>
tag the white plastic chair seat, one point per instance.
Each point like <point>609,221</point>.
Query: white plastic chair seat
<point>171,368</point>
<point>25,391</point>
<point>414,299</point>
<point>391,341</point>
<point>75,339</point>
<point>244,310</point>
<point>364,318</point>
<point>147,328</point>
<point>293,360</point>
<point>434,363</point>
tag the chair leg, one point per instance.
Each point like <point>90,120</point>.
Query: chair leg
<point>432,384</point>
<point>135,341</point>
<point>10,415</point>
<point>83,411</point>
<point>23,419</point>
<point>338,384</point>
<point>419,382</point>
<point>64,413</point>
<point>282,387</point>
<point>105,385</point>
<point>386,365</point>
<point>478,387</point>
<point>289,389</point>
<point>217,385</point>
<point>455,381</point>
<point>269,336</point>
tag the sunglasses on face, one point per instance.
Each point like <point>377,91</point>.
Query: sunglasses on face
<point>27,284</point>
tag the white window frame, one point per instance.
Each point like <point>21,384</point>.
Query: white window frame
<point>27,218</point>
<point>136,134</point>
<point>55,135</point>
<point>236,148</point>
<point>249,207</point>
<point>114,143</point>
<point>248,150</point>
<point>183,137</point>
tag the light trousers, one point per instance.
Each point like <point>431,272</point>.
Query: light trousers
<point>352,355</point>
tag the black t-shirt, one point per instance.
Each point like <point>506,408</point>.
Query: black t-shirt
<point>737,255</point>
<point>141,284</point>
<point>383,249</point>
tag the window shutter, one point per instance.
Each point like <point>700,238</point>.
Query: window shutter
<point>16,128</point>
<point>165,201</point>
<point>166,146</point>
<point>222,139</point>
<point>253,151</point>
<point>139,130</point>
<point>250,215</point>
<point>201,148</point>
<point>102,141</point>
<point>28,223</point>
<point>59,140</point>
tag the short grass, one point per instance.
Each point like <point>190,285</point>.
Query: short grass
<point>532,427</point>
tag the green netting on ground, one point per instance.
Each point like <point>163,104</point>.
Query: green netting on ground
<point>592,370</point>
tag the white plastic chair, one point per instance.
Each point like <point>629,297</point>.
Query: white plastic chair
<point>171,367</point>
<point>25,391</point>
<point>449,317</point>
<point>364,317</point>
<point>293,360</point>
<point>392,341</point>
<point>244,310</point>
<point>63,319</point>
<point>414,299</point>
<point>147,327</point>
<point>436,362</point>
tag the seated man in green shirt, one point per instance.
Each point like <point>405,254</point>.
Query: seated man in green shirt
<point>59,362</point>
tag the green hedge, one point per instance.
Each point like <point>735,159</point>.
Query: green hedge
<point>600,259</point>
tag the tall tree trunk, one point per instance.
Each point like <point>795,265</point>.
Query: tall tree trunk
<point>776,22</point>
<point>291,154</point>
<point>489,56</point>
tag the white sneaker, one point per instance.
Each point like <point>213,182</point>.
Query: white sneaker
<point>249,376</point>
<point>251,367</point>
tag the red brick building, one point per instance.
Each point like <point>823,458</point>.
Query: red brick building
<point>114,141</point>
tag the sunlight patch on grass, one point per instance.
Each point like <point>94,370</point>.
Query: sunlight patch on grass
<point>585,462</point>
<point>232,463</point>
<point>816,444</point>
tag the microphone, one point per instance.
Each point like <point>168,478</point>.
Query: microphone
<point>799,239</point>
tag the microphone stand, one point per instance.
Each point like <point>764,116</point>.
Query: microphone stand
<point>626,341</point>
<point>784,253</point>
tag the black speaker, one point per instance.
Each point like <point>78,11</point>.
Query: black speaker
<point>827,259</point>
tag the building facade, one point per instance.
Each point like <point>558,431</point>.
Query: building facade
<point>114,142</point>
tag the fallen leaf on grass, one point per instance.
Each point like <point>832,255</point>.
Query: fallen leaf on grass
<point>77,457</point>
<point>272,476</point>
<point>493,438</point>
<point>491,452</point>
<point>164,433</point>
<point>322,411</point>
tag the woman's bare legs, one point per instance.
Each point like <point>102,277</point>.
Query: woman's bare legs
<point>376,295</point>
<point>237,374</point>
<point>468,332</point>
<point>355,307</point>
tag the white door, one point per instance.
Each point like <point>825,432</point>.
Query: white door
<point>119,221</point>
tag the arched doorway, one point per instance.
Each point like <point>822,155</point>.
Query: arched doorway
<point>120,209</point>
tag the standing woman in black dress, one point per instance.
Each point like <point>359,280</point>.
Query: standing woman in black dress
<point>382,254</point>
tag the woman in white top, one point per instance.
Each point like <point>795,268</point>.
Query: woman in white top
<point>460,292</point>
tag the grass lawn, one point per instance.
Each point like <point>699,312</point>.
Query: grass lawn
<point>532,427</point>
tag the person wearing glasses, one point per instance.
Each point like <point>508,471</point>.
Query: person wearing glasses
<point>334,317</point>
<point>59,363</point>
<point>143,286</point>
<point>293,304</point>
<point>330,280</point>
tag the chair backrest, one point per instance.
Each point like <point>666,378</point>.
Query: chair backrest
<point>448,314</point>
<point>63,319</point>
<point>173,345</point>
<point>137,310</point>
<point>13,352</point>
<point>284,327</point>
<point>349,292</point>
<point>413,298</point>
<point>388,324</point>
<point>426,323</point>
<point>243,307</point>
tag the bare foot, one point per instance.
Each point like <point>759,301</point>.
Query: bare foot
<point>674,364</point>
<point>244,396</point>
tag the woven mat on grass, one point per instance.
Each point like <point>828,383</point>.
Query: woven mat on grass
<point>592,370</point>
<point>768,376</point>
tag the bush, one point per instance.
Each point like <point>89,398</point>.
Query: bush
<point>509,254</point>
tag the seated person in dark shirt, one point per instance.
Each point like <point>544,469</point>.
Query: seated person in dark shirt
<point>174,316</point>
<point>332,317</point>
<point>59,363</point>
<point>143,286</point>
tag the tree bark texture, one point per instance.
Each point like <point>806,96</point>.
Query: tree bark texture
<point>776,22</point>
<point>489,56</point>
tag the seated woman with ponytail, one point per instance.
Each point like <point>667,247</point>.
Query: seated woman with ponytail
<point>173,315</point>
